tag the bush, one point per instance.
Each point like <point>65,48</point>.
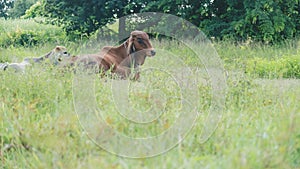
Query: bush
<point>20,38</point>
<point>285,67</point>
<point>28,33</point>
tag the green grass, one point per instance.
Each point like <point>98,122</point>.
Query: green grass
<point>263,61</point>
<point>237,55</point>
<point>285,67</point>
<point>260,127</point>
<point>16,33</point>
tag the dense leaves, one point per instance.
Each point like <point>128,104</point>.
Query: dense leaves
<point>268,21</point>
<point>4,6</point>
<point>77,16</point>
<point>19,7</point>
<point>265,20</point>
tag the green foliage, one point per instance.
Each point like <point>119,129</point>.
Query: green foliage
<point>19,8</point>
<point>28,33</point>
<point>266,21</point>
<point>4,7</point>
<point>273,21</point>
<point>34,11</point>
<point>260,60</point>
<point>285,67</point>
<point>78,18</point>
<point>21,38</point>
<point>81,18</point>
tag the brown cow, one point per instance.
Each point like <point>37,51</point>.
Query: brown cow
<point>120,59</point>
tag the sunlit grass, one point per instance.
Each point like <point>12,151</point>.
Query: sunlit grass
<point>259,128</point>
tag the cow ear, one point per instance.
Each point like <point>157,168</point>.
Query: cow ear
<point>130,39</point>
<point>57,48</point>
<point>129,45</point>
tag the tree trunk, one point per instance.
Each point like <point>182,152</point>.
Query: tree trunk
<point>122,28</point>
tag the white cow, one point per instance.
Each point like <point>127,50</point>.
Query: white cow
<point>54,57</point>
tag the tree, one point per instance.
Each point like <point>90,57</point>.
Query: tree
<point>123,8</point>
<point>268,21</point>
<point>77,17</point>
<point>19,7</point>
<point>4,7</point>
<point>263,20</point>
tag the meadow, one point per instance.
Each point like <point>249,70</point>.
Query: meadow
<point>259,128</point>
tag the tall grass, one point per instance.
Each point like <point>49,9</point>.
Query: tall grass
<point>259,128</point>
<point>277,61</point>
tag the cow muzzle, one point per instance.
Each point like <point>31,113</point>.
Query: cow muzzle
<point>153,52</point>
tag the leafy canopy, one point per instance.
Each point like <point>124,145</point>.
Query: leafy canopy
<point>269,21</point>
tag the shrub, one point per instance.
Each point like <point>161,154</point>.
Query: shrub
<point>21,38</point>
<point>285,67</point>
<point>28,33</point>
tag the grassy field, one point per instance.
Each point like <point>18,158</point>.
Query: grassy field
<point>260,126</point>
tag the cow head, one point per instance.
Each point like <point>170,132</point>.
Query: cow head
<point>139,46</point>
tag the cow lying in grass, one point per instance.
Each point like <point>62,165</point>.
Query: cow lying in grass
<point>122,59</point>
<point>54,57</point>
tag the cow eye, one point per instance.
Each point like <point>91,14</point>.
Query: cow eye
<point>140,40</point>
<point>65,53</point>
